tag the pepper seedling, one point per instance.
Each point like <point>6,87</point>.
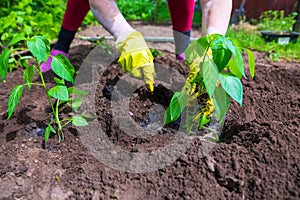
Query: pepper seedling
<point>39,47</point>
<point>216,69</point>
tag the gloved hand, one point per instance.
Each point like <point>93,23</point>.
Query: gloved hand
<point>136,57</point>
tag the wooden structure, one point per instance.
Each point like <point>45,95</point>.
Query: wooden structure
<point>254,8</point>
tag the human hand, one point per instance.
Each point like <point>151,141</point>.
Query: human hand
<point>136,57</point>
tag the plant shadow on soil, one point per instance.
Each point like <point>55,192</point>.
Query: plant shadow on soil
<point>257,156</point>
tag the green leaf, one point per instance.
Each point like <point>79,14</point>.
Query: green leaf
<point>52,129</point>
<point>196,48</point>
<point>238,59</point>
<point>60,82</point>
<point>167,116</point>
<point>38,48</point>
<point>62,67</point>
<point>204,43</point>
<point>47,134</point>
<point>177,104</point>
<point>233,86</point>
<point>27,29</point>
<point>79,121</point>
<point>220,47</point>
<point>221,103</point>
<point>210,75</point>
<point>48,130</point>
<point>4,58</point>
<point>234,69</point>
<point>14,98</point>
<point>251,61</point>
<point>237,43</point>
<point>76,103</point>
<point>23,61</point>
<point>80,93</point>
<point>46,41</point>
<point>16,39</point>
<point>28,75</point>
<point>59,92</point>
<point>202,121</point>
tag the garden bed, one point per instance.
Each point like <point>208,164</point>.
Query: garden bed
<point>257,156</point>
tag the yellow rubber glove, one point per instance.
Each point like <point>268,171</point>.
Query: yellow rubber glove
<point>136,57</point>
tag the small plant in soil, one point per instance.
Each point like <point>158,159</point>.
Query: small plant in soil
<point>156,53</point>
<point>276,21</point>
<point>276,26</point>
<point>216,69</point>
<point>57,95</point>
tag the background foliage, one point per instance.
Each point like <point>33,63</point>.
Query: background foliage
<point>44,17</point>
<point>32,17</point>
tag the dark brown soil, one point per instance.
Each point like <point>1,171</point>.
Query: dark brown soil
<point>257,156</point>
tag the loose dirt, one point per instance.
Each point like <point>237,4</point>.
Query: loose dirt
<point>257,156</point>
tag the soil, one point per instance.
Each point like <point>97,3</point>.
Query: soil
<point>257,156</point>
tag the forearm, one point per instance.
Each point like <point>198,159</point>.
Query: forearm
<point>215,16</point>
<point>109,15</point>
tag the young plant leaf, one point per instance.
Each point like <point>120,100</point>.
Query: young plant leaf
<point>233,86</point>
<point>220,47</point>
<point>234,69</point>
<point>79,121</point>
<point>251,61</point>
<point>202,121</point>
<point>16,39</point>
<point>76,103</point>
<point>167,116</point>
<point>59,92</point>
<point>238,59</point>
<point>28,76</point>
<point>79,93</point>
<point>196,48</point>
<point>210,75</point>
<point>177,104</point>
<point>38,48</point>
<point>14,98</point>
<point>60,82</point>
<point>4,57</point>
<point>48,131</point>
<point>237,43</point>
<point>63,68</point>
<point>23,61</point>
<point>47,134</point>
<point>221,103</point>
<point>46,41</point>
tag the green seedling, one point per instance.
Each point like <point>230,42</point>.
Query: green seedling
<point>277,21</point>
<point>155,52</point>
<point>60,94</point>
<point>216,69</point>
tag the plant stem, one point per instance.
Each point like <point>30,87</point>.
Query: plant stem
<point>60,132</point>
<point>66,123</point>
<point>46,89</point>
<point>37,84</point>
<point>54,110</point>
